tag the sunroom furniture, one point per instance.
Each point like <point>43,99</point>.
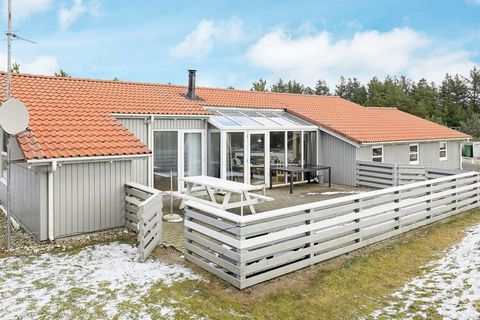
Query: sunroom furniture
<point>212,185</point>
<point>308,170</point>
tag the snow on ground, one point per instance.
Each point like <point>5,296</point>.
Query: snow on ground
<point>98,280</point>
<point>450,287</point>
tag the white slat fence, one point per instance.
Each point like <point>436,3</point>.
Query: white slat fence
<point>144,215</point>
<point>246,250</point>
<point>381,175</point>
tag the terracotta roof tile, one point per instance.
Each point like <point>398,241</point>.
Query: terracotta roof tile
<point>73,117</point>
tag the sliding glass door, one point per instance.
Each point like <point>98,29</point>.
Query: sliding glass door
<point>294,152</point>
<point>192,154</point>
<point>257,158</point>
<point>235,156</point>
<point>165,159</point>
<point>277,155</point>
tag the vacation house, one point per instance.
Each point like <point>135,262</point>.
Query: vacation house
<point>87,138</point>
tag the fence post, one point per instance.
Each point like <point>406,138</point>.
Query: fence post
<point>395,175</point>
<point>429,201</point>
<point>455,199</point>
<point>397,210</point>
<point>308,222</point>
<point>357,230</point>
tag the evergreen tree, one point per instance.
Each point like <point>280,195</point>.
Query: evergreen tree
<point>16,67</point>
<point>295,87</point>
<point>341,88</point>
<point>321,88</point>
<point>375,93</point>
<point>473,83</point>
<point>62,74</point>
<point>260,85</point>
<point>471,125</point>
<point>280,86</point>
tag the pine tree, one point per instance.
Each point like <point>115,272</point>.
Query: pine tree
<point>280,86</point>
<point>321,88</point>
<point>62,74</point>
<point>260,85</point>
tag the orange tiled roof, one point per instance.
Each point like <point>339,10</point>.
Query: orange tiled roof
<point>73,117</point>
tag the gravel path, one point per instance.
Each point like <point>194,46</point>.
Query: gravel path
<point>448,289</point>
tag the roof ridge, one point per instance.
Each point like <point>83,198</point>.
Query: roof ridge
<point>41,76</point>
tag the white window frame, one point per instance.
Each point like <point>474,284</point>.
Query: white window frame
<point>181,152</point>
<point>382,156</point>
<point>440,151</point>
<point>417,153</point>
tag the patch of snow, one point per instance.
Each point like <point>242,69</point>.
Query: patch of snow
<point>450,288</point>
<point>106,274</point>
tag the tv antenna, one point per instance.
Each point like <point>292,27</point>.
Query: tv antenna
<point>13,117</point>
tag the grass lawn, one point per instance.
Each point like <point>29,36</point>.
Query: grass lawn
<point>348,287</point>
<point>106,283</point>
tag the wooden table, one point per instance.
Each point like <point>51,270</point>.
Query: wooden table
<point>306,169</point>
<point>211,184</point>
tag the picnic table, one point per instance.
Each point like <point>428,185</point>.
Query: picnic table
<point>306,169</point>
<point>211,185</point>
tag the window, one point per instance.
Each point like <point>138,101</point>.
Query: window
<point>4,156</point>
<point>165,159</point>
<point>235,156</point>
<point>443,151</point>
<point>377,154</point>
<point>277,155</point>
<point>192,156</point>
<point>413,154</point>
<point>213,169</point>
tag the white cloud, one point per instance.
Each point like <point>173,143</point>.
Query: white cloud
<point>207,35</point>
<point>44,64</point>
<point>366,54</point>
<point>68,16</point>
<point>473,1</point>
<point>22,9</point>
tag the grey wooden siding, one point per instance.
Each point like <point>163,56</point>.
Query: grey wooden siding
<point>428,154</point>
<point>339,155</point>
<point>29,206</point>
<point>179,124</point>
<point>90,196</point>
<point>140,166</point>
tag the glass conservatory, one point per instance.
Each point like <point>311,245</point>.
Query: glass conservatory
<point>243,144</point>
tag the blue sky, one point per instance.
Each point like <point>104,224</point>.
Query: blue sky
<point>233,43</point>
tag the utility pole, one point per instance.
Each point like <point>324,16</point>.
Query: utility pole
<point>9,153</point>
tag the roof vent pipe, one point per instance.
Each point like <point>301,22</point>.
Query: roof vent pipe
<point>191,84</point>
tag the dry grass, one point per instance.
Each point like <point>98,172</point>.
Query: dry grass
<point>348,287</point>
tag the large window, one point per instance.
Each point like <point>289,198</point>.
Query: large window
<point>277,155</point>
<point>377,154</point>
<point>235,156</point>
<point>294,152</point>
<point>192,157</point>
<point>213,169</point>
<point>443,151</point>
<point>413,154</point>
<point>165,159</point>
<point>4,156</point>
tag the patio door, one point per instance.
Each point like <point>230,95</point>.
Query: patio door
<point>257,158</point>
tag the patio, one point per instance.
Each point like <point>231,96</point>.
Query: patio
<point>173,233</point>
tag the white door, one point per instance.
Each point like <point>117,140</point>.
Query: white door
<point>257,168</point>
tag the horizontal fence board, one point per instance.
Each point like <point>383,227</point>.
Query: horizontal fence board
<point>266,245</point>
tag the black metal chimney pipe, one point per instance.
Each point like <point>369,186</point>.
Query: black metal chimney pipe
<point>191,85</point>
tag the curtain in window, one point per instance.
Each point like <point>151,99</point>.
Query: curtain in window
<point>192,154</point>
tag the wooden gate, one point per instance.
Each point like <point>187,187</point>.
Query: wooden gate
<point>143,214</point>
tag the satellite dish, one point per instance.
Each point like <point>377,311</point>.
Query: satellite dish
<point>13,116</point>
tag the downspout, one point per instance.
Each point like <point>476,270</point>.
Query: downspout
<point>150,146</point>
<point>50,200</point>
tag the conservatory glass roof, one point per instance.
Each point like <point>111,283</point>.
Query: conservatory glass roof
<point>257,119</point>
